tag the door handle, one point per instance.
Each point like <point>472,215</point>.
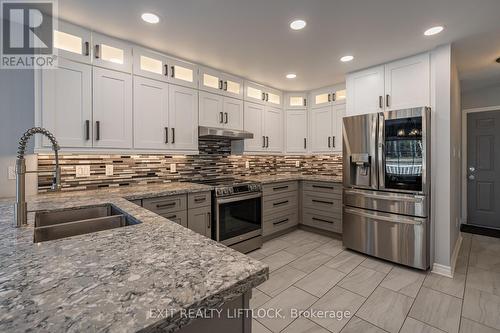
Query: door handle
<point>225,122</point>
<point>267,140</point>
<point>221,120</point>
<point>173,135</point>
<point>172,71</point>
<point>263,96</point>
<point>380,102</point>
<point>263,141</point>
<point>329,142</point>
<point>329,98</point>
<point>225,85</point>
<point>333,141</point>
<point>97,53</point>
<point>387,100</point>
<point>166,69</point>
<point>97,130</point>
<point>305,101</point>
<point>87,48</point>
<point>334,97</point>
<point>220,84</point>
<point>166,134</point>
<point>305,143</point>
<point>87,130</point>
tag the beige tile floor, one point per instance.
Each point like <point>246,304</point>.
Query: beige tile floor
<point>311,271</point>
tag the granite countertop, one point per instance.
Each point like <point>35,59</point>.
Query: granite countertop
<point>269,179</point>
<point>111,280</point>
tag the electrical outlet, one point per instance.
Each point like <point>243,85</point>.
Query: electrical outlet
<point>297,164</point>
<point>247,164</point>
<point>12,173</point>
<point>173,168</point>
<point>109,170</point>
<point>82,170</point>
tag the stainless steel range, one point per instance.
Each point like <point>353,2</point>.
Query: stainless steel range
<point>237,213</point>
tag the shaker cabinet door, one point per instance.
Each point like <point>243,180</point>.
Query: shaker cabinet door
<point>211,109</point>
<point>253,123</point>
<point>296,140</point>
<point>273,129</point>
<point>233,113</point>
<point>366,91</point>
<point>321,129</point>
<point>200,221</point>
<point>183,118</point>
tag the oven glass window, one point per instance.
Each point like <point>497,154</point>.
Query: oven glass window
<point>239,217</point>
<point>403,154</point>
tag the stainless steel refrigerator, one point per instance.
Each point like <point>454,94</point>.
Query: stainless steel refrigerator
<point>386,176</point>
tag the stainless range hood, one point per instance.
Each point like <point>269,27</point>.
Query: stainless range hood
<point>223,133</point>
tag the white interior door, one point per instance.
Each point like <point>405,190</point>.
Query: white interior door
<point>183,118</point>
<point>253,123</point>
<point>66,104</point>
<point>366,91</point>
<point>112,109</point>
<point>296,131</point>
<point>211,112</point>
<point>321,129</point>
<point>151,128</point>
<point>407,83</point>
<point>233,113</point>
<point>273,129</point>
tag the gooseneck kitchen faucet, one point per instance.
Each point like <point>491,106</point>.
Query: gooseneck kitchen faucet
<point>21,209</point>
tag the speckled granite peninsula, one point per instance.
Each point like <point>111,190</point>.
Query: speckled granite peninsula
<point>109,281</point>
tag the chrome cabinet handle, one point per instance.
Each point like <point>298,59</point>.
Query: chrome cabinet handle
<point>166,134</point>
<point>166,69</point>
<point>221,120</point>
<point>97,130</point>
<point>87,130</point>
<point>97,53</point>
<point>329,142</point>
<point>172,71</point>
<point>380,102</point>
<point>387,100</point>
<point>87,48</point>
<point>225,122</point>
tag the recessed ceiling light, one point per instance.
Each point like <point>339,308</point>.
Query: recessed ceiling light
<point>298,24</point>
<point>433,31</point>
<point>291,76</point>
<point>346,58</point>
<point>150,18</point>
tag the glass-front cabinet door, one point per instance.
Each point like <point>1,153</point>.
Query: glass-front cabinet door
<point>182,73</point>
<point>112,53</point>
<point>403,154</point>
<point>296,101</point>
<point>150,64</point>
<point>72,42</point>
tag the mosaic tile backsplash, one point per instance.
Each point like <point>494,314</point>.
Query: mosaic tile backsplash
<point>214,161</point>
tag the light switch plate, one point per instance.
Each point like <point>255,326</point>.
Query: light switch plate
<point>109,170</point>
<point>11,173</point>
<point>173,168</point>
<point>82,170</point>
<point>297,164</point>
<point>247,164</point>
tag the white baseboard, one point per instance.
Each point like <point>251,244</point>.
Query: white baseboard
<point>442,270</point>
<point>448,271</point>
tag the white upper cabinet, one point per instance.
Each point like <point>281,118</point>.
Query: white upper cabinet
<point>233,113</point>
<point>182,73</point>
<point>296,101</point>
<point>328,96</point>
<point>273,129</point>
<point>337,127</point>
<point>111,53</point>
<point>150,64</point>
<point>72,42</point>
<point>396,85</point>
<point>220,83</point>
<point>254,123</point>
<point>151,110</point>
<point>296,140</point>
<point>366,91</point>
<point>263,95</point>
<point>407,83</point>
<point>211,113</point>
<point>66,104</point>
<point>321,129</point>
<point>112,109</point>
<point>183,118</point>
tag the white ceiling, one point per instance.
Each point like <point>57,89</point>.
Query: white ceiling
<point>251,38</point>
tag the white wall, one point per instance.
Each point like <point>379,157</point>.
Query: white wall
<point>16,116</point>
<point>483,97</point>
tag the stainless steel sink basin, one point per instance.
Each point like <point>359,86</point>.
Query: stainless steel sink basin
<point>79,221</point>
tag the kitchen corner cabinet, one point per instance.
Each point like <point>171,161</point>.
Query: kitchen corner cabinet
<point>328,96</point>
<point>326,128</point>
<point>266,124</point>
<point>260,94</point>
<point>72,42</point>
<point>220,111</point>
<point>400,84</point>
<point>66,104</point>
<point>111,53</point>
<point>216,82</point>
<point>296,139</point>
<point>112,109</point>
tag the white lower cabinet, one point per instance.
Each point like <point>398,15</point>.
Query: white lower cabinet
<point>326,128</point>
<point>112,109</point>
<point>66,104</point>
<point>183,118</point>
<point>296,131</point>
<point>220,111</point>
<point>151,123</point>
<point>266,124</point>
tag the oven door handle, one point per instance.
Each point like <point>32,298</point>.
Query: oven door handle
<point>238,198</point>
<point>387,218</point>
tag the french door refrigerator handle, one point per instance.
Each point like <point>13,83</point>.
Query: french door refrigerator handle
<point>393,219</point>
<point>381,151</point>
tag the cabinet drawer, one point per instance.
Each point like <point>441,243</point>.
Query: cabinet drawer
<point>277,188</point>
<point>178,217</point>
<point>329,203</point>
<point>202,199</point>
<point>278,222</point>
<point>165,205</point>
<point>322,187</point>
<point>322,220</point>
<point>281,202</point>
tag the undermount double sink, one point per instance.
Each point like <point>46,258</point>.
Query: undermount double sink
<point>79,221</point>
